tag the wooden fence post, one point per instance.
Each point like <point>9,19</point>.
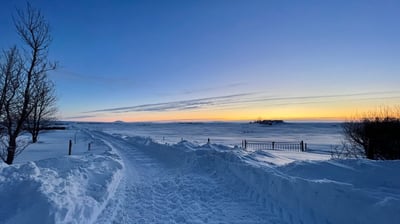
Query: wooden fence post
<point>70,147</point>
<point>302,146</point>
<point>245,144</point>
<point>89,146</point>
<point>273,145</point>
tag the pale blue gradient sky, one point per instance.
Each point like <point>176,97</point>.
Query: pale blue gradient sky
<point>204,59</point>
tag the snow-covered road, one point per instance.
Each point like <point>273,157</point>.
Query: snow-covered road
<point>164,190</point>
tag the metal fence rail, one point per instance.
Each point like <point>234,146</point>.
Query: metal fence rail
<point>284,146</point>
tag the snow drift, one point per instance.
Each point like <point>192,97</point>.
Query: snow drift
<point>71,189</point>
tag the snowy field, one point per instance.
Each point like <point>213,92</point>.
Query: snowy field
<point>318,135</point>
<point>167,173</point>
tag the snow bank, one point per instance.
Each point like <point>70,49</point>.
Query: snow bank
<point>334,191</point>
<point>344,191</point>
<point>71,189</point>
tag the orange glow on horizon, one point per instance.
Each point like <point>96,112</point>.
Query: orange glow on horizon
<point>333,111</point>
<point>285,113</point>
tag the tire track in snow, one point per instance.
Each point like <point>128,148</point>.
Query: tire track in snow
<point>152,192</point>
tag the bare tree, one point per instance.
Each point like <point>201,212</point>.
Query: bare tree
<point>44,109</point>
<point>10,73</point>
<point>32,67</point>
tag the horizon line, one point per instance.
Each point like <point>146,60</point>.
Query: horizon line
<point>292,120</point>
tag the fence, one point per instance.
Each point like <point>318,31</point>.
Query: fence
<point>284,146</point>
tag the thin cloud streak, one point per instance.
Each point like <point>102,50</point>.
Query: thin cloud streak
<point>79,117</point>
<point>247,98</point>
<point>175,105</point>
<point>321,97</point>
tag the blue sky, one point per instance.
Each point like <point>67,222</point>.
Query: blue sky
<point>219,60</point>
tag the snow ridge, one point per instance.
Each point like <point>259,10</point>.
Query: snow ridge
<point>71,189</point>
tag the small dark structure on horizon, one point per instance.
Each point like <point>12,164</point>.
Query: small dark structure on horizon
<point>268,122</point>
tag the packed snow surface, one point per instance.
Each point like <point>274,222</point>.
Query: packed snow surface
<point>127,177</point>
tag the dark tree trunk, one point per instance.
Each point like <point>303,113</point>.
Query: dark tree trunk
<point>35,136</point>
<point>12,147</point>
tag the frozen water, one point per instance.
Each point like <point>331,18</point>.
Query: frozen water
<point>319,136</point>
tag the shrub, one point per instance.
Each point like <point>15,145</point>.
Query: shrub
<point>346,151</point>
<point>378,136</point>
